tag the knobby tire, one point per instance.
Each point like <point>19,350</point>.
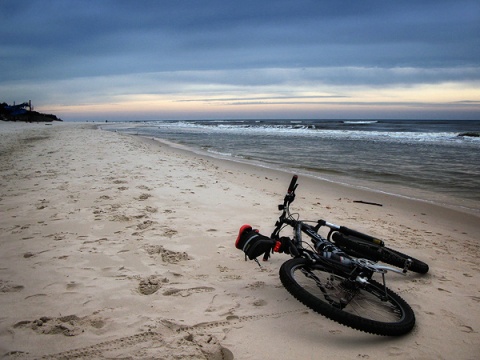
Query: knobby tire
<point>396,258</point>
<point>368,309</point>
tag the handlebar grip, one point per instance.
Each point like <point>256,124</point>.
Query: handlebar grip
<point>291,187</point>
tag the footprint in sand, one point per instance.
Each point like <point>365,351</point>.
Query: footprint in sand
<point>454,319</point>
<point>6,286</point>
<point>467,329</point>
<point>145,225</point>
<point>256,285</point>
<point>70,325</point>
<point>259,302</point>
<point>169,232</point>
<point>441,289</point>
<point>57,236</point>
<point>120,217</point>
<point>42,204</point>
<point>168,256</point>
<point>395,351</point>
<point>222,268</point>
<point>72,285</point>
<point>151,284</point>
<point>143,197</point>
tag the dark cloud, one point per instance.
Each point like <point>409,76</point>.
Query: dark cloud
<point>348,42</point>
<point>85,38</point>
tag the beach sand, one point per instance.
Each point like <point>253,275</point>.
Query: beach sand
<point>114,246</point>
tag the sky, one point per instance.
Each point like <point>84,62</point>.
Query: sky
<point>221,59</point>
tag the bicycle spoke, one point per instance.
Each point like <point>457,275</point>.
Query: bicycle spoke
<point>369,303</point>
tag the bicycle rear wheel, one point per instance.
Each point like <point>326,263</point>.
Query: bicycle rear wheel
<point>359,248</point>
<point>371,308</point>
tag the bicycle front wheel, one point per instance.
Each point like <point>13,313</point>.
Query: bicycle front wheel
<point>371,308</point>
<point>359,248</point>
<point>396,258</point>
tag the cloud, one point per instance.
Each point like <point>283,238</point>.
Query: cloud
<point>88,52</point>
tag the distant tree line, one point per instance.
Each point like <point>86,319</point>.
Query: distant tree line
<point>20,113</point>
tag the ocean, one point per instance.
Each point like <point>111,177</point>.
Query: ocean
<point>423,159</point>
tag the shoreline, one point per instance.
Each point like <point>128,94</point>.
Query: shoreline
<point>368,190</point>
<point>113,245</point>
<point>404,191</point>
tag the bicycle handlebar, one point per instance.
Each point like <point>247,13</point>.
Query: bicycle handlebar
<point>342,229</point>
<point>292,185</point>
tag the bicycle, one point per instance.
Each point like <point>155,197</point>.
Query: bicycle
<point>333,275</point>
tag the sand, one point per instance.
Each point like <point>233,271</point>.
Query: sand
<point>114,246</point>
